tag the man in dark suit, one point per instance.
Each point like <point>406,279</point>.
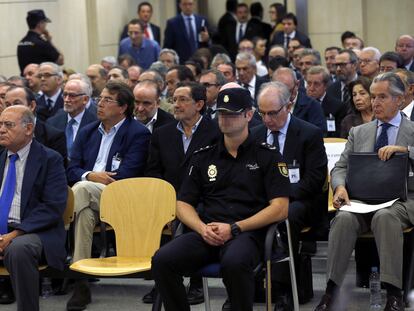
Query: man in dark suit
<point>43,133</point>
<point>151,31</point>
<point>32,200</point>
<point>74,115</point>
<point>304,107</point>
<point>246,69</point>
<point>407,106</point>
<point>346,63</point>
<point>147,106</point>
<point>290,22</point>
<point>51,79</point>
<point>301,145</point>
<point>226,27</point>
<point>173,145</point>
<point>212,80</point>
<point>318,79</point>
<point>186,32</point>
<point>113,148</point>
<point>256,27</point>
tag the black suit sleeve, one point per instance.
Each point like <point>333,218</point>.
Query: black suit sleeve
<point>313,170</point>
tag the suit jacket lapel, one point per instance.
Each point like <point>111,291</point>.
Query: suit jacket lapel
<point>117,143</point>
<point>3,156</point>
<point>33,164</point>
<point>289,150</point>
<point>195,140</point>
<point>368,138</point>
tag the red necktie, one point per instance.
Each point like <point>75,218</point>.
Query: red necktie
<point>146,33</point>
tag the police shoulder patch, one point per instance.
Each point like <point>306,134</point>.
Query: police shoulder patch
<point>205,148</point>
<point>267,146</point>
<point>283,169</point>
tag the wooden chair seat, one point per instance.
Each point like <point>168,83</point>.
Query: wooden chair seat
<point>112,266</point>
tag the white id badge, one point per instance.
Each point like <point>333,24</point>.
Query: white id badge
<point>116,161</point>
<point>330,125</point>
<point>294,175</point>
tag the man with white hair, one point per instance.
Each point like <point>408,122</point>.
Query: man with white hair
<point>369,62</point>
<point>51,79</point>
<point>74,115</point>
<point>246,69</point>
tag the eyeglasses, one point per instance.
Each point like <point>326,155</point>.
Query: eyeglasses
<point>181,99</point>
<point>7,124</point>
<point>342,65</point>
<point>46,75</point>
<point>271,114</point>
<point>365,61</point>
<point>72,95</point>
<point>207,85</point>
<point>106,100</point>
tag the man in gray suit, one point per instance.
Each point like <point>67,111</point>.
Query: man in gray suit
<point>389,134</point>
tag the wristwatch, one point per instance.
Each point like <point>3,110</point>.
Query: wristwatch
<point>235,229</point>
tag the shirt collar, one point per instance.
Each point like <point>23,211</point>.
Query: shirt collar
<point>54,97</point>
<point>78,117</point>
<point>284,129</point>
<point>153,119</point>
<point>244,145</point>
<point>195,126</point>
<point>187,16</point>
<point>396,121</point>
<point>114,129</point>
<point>22,153</point>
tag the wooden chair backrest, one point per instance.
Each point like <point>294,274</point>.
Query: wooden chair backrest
<point>331,140</point>
<point>138,209</point>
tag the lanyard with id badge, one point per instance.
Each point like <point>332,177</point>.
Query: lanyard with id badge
<point>294,172</point>
<point>116,162</point>
<point>330,123</point>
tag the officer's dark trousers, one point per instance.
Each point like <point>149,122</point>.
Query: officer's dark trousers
<point>189,252</point>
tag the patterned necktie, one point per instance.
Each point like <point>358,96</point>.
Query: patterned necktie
<point>7,195</point>
<point>49,104</point>
<point>382,139</point>
<point>275,135</point>
<point>69,134</point>
<point>191,35</point>
<point>345,96</point>
<point>209,113</point>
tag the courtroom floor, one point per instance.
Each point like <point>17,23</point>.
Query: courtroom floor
<point>125,294</point>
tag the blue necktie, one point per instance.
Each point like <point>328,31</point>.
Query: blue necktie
<point>382,139</point>
<point>7,195</point>
<point>69,134</point>
<point>193,43</point>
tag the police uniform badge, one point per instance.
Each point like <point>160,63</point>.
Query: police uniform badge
<point>226,98</point>
<point>283,169</point>
<point>212,172</point>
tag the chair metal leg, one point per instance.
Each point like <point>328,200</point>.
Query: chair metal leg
<point>410,276</point>
<point>292,270</point>
<point>156,306</point>
<point>268,284</point>
<point>206,295</point>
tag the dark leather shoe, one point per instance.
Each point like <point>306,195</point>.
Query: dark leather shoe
<point>394,303</point>
<point>325,303</point>
<point>283,303</point>
<point>226,305</point>
<point>6,292</point>
<point>195,295</point>
<point>81,297</point>
<point>150,297</point>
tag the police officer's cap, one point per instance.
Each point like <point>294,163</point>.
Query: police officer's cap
<point>36,16</point>
<point>234,100</point>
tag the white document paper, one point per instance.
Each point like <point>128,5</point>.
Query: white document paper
<point>333,152</point>
<point>363,208</point>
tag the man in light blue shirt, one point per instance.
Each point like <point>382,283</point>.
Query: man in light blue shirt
<point>144,51</point>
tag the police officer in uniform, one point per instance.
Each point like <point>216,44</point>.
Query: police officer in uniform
<point>243,186</point>
<point>36,47</point>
